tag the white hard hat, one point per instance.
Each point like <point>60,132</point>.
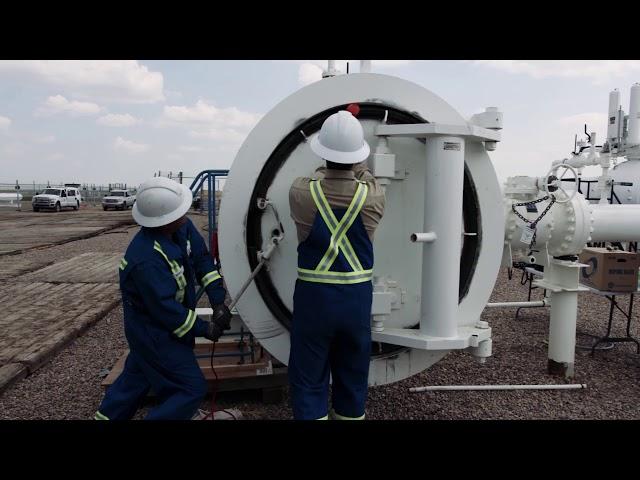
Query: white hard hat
<point>160,201</point>
<point>341,139</point>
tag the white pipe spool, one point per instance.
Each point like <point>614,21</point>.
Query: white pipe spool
<point>449,388</point>
<point>619,223</point>
<point>533,303</point>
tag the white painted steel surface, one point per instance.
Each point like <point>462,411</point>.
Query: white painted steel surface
<point>396,259</point>
<point>444,184</point>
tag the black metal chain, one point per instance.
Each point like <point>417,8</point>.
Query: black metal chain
<point>533,224</point>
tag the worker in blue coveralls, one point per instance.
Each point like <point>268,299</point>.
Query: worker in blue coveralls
<point>158,277</point>
<point>336,214</point>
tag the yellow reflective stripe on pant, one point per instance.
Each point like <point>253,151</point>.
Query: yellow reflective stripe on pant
<point>326,417</point>
<point>176,270</point>
<point>338,230</point>
<point>99,416</point>
<point>123,264</point>
<point>339,241</point>
<point>342,278</point>
<point>186,326</point>
<point>210,277</point>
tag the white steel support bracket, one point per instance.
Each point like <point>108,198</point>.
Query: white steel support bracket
<point>438,317</point>
<point>467,336</point>
<point>557,287</point>
<point>422,130</point>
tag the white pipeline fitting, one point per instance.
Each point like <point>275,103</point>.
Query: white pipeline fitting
<point>482,351</point>
<point>424,237</point>
<point>538,303</point>
<point>573,386</point>
<point>331,69</point>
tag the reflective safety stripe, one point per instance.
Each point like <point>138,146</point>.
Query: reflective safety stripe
<point>332,223</point>
<point>342,278</point>
<point>176,269</point>
<point>123,264</point>
<point>326,417</point>
<point>337,416</point>
<point>210,277</point>
<point>186,326</point>
<point>338,230</point>
<point>180,295</point>
<point>339,241</point>
<point>99,416</point>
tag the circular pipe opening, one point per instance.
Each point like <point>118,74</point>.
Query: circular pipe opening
<point>254,239</point>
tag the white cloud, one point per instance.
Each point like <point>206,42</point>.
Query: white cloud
<point>309,73</point>
<point>190,148</point>
<point>45,139</point>
<point>221,134</point>
<point>4,123</point>
<point>203,113</point>
<point>129,146</point>
<point>56,156</point>
<point>594,120</point>
<point>118,120</point>
<point>204,120</point>
<point>390,63</point>
<point>124,81</point>
<point>596,70</point>
<point>59,104</point>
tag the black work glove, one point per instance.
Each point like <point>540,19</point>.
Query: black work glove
<point>221,316</point>
<point>220,321</point>
<point>213,333</point>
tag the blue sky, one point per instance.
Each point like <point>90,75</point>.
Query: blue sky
<point>120,121</point>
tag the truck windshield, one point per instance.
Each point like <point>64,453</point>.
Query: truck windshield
<point>51,191</point>
<point>116,194</point>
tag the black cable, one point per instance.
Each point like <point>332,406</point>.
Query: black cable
<point>215,385</point>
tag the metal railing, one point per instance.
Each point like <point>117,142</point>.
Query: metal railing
<point>208,178</point>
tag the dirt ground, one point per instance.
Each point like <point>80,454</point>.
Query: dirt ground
<point>69,386</point>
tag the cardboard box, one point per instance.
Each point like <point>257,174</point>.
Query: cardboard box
<point>610,271</point>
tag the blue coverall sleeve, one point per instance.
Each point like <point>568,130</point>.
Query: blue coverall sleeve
<point>157,287</point>
<point>207,272</point>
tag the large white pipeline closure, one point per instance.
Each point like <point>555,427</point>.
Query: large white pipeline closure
<point>439,183</point>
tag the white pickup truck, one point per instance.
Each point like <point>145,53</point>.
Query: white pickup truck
<point>118,200</point>
<point>56,198</point>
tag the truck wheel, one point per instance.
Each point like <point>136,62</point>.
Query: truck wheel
<point>36,209</point>
<point>77,205</point>
<point>104,208</point>
<point>58,207</point>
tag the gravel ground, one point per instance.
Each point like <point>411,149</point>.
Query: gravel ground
<point>69,386</point>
